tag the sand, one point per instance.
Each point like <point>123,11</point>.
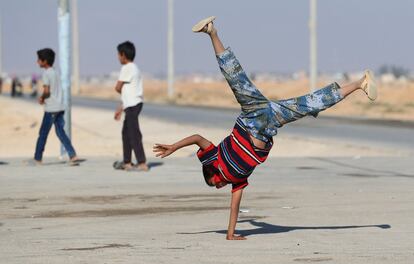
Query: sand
<point>395,100</point>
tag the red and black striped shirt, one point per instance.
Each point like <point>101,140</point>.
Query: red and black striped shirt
<point>235,157</point>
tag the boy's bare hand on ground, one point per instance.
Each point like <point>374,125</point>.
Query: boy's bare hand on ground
<point>234,237</point>
<point>163,150</point>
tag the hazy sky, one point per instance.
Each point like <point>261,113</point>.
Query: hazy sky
<point>266,35</point>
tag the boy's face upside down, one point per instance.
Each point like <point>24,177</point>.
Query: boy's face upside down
<point>216,181</point>
<point>212,178</point>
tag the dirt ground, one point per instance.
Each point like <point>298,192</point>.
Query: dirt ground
<point>295,210</point>
<point>318,201</point>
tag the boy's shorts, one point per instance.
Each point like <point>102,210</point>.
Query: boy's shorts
<point>263,117</point>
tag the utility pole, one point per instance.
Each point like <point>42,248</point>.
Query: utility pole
<point>313,66</point>
<point>75,47</point>
<point>170,44</point>
<point>1,54</point>
<point>64,63</point>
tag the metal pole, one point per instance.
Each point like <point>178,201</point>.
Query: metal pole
<point>64,62</point>
<point>75,47</point>
<point>170,45</point>
<point>313,67</point>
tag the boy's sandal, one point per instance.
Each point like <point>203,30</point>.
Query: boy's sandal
<point>199,27</point>
<point>118,165</point>
<point>143,168</point>
<point>369,86</point>
<point>73,164</point>
<point>133,168</point>
<point>137,168</point>
<point>32,162</point>
<point>76,162</point>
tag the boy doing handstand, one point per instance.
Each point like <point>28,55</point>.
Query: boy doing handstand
<point>235,158</point>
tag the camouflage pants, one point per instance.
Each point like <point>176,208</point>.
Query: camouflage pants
<point>263,117</point>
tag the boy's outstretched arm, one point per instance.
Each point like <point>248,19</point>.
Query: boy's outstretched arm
<point>164,150</point>
<point>234,213</point>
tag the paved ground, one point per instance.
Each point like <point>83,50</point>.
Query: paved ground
<point>300,210</point>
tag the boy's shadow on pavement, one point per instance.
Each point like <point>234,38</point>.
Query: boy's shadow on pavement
<point>265,228</point>
<point>154,164</point>
<point>63,162</point>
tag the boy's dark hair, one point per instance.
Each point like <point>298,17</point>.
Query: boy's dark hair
<point>128,49</point>
<point>47,55</point>
<point>208,173</point>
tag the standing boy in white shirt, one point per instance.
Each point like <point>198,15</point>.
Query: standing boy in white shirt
<point>129,85</point>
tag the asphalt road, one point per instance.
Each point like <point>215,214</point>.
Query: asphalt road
<point>366,132</point>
